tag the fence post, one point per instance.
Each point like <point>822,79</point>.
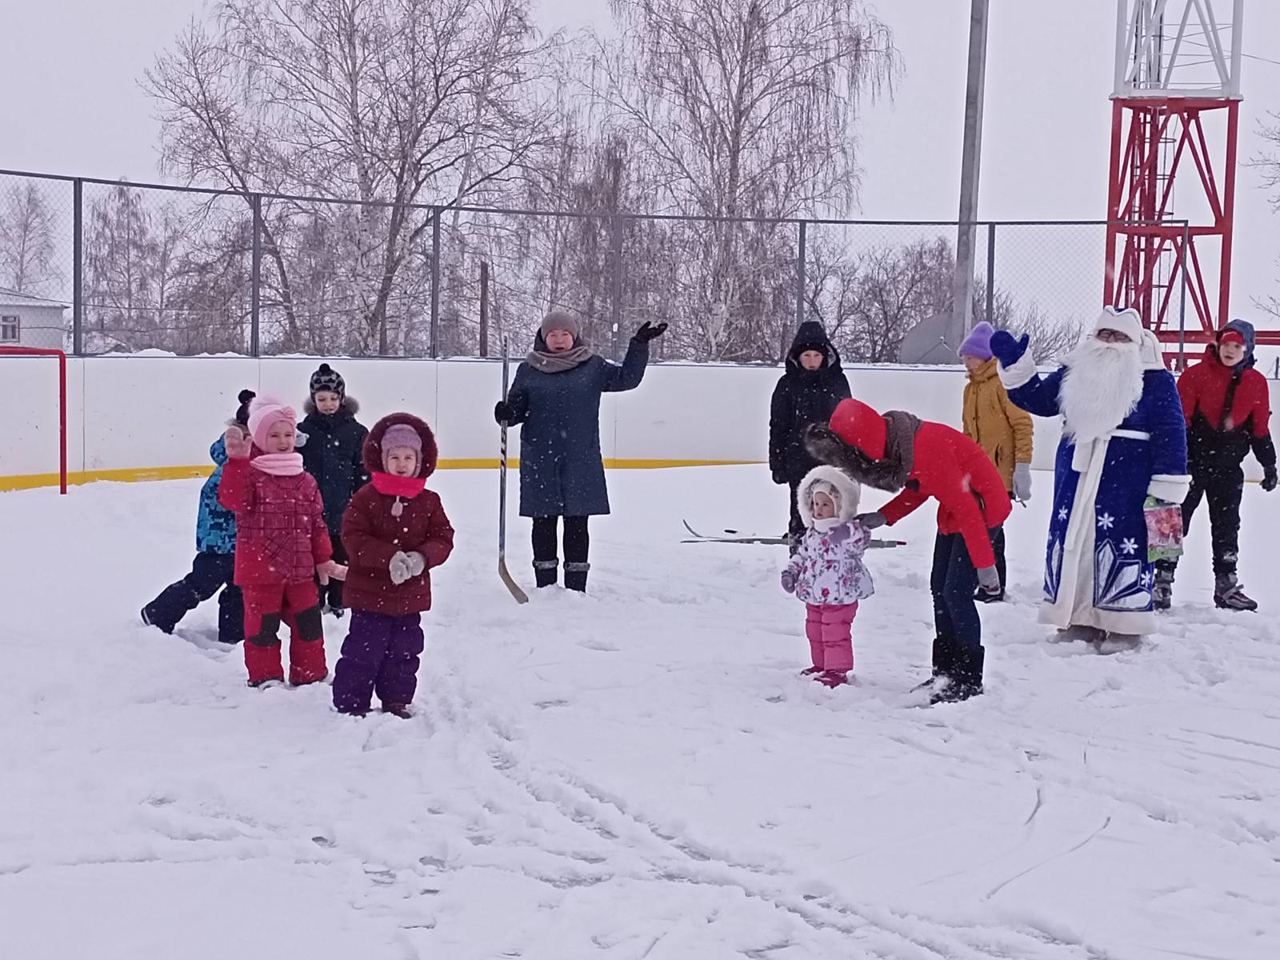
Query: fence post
<point>77,267</point>
<point>484,308</point>
<point>991,273</point>
<point>800,272</point>
<point>255,287</point>
<point>1182,297</point>
<point>616,282</point>
<point>435,282</point>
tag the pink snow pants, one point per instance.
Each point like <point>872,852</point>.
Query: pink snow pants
<point>829,628</point>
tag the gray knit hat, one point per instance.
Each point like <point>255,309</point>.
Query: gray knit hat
<point>326,378</point>
<point>561,320</point>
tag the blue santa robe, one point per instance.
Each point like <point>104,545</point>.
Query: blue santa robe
<point>1096,568</point>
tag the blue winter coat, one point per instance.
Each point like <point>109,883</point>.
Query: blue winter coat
<point>1149,445</point>
<point>561,468</point>
<point>215,524</point>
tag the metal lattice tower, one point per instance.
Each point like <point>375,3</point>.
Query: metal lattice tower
<point>1177,73</point>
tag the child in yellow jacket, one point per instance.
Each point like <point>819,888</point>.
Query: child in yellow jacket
<point>1002,429</point>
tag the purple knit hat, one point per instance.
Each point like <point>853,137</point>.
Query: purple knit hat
<point>978,343</point>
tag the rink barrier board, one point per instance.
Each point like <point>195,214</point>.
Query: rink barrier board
<point>147,474</point>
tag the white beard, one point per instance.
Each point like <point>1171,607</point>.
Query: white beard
<point>1101,387</point>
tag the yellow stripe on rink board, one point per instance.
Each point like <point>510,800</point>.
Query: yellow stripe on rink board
<point>31,481</point>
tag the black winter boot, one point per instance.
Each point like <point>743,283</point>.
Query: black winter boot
<point>1229,595</point>
<point>1162,590</point>
<point>966,677</point>
<point>944,661</point>
<point>546,573</point>
<point>575,576</point>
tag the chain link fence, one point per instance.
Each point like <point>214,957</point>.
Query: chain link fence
<point>146,267</point>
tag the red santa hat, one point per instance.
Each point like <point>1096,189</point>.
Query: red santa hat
<point>861,426</point>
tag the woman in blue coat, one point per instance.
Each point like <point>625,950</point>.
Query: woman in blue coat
<point>556,396</point>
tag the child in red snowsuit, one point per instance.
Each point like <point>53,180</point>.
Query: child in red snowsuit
<point>281,544</point>
<point>396,532</point>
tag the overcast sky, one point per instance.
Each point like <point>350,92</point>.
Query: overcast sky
<point>71,104</point>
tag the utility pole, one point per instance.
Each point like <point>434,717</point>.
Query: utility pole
<point>966,241</point>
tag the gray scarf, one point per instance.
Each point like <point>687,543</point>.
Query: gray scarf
<point>543,360</point>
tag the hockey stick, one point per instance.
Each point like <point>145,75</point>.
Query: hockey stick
<point>519,595</point>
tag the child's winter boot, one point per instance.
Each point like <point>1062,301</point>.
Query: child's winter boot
<point>1162,589</point>
<point>966,677</point>
<point>833,678</point>
<point>400,710</point>
<point>1229,595</point>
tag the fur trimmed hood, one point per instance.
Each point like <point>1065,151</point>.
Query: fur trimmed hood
<point>373,444</point>
<point>350,406</point>
<point>848,492</point>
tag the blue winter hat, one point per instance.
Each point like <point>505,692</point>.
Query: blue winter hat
<point>1245,330</point>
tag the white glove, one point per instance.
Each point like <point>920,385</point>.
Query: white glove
<point>1022,482</point>
<point>417,563</point>
<point>989,579</point>
<point>399,568</point>
<point>300,440</point>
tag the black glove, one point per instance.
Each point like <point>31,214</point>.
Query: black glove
<point>779,477</point>
<point>503,412</point>
<point>649,332</point>
<point>1269,478</point>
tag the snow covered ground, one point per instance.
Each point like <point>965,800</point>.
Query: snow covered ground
<point>635,774</point>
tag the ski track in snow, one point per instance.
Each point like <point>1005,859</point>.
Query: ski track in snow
<point>639,773</point>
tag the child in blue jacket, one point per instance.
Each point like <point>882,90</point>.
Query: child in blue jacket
<point>214,565</point>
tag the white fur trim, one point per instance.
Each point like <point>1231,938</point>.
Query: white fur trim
<point>1020,374</point>
<point>848,488</point>
<point>1170,488</point>
<point>1124,321</point>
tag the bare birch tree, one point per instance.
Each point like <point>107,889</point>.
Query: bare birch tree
<point>26,241</point>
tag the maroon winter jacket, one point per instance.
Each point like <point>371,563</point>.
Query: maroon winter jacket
<point>372,534</point>
<point>280,532</point>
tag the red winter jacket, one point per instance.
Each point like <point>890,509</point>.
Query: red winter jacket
<point>372,534</point>
<point>947,466</point>
<point>1218,437</point>
<point>280,531</point>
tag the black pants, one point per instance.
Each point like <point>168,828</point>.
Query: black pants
<point>796,527</point>
<point>957,645</point>
<point>997,544</point>
<point>577,546</point>
<point>331,593</point>
<point>1223,488</point>
<point>209,573</point>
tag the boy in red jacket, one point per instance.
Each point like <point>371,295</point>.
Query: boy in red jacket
<point>898,452</point>
<point>395,532</point>
<point>281,544</point>
<point>1228,407</point>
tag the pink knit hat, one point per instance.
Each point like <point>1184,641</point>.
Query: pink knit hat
<point>264,413</point>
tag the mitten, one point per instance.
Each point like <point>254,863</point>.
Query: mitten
<point>1022,482</point>
<point>871,520</point>
<point>1269,478</point>
<point>503,412</point>
<point>839,535</point>
<point>989,579</point>
<point>301,440</point>
<point>649,332</point>
<point>779,477</point>
<point>417,563</point>
<point>237,443</point>
<point>399,568</point>
<point>788,580</point>
<point>1008,350</point>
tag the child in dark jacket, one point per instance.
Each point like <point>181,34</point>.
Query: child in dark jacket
<point>1228,409</point>
<point>281,545</point>
<point>807,392</point>
<point>332,445</point>
<point>214,565</point>
<point>396,531</point>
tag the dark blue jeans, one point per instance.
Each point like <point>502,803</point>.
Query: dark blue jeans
<point>953,583</point>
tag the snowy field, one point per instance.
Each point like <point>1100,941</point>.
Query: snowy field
<point>639,773</point>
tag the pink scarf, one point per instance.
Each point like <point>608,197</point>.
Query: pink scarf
<point>278,464</point>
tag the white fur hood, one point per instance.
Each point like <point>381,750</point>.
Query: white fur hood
<point>848,490</point>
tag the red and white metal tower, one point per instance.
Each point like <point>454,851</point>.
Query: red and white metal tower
<point>1177,75</point>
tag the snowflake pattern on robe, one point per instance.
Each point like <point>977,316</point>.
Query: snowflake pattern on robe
<point>828,567</point>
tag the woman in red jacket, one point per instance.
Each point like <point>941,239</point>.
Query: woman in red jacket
<point>395,531</point>
<point>920,460</point>
<point>281,544</point>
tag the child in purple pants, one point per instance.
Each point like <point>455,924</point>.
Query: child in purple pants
<point>395,531</point>
<point>827,571</point>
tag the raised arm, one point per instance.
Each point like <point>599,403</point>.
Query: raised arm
<point>1027,389</point>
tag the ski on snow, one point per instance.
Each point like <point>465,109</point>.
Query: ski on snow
<point>735,536</point>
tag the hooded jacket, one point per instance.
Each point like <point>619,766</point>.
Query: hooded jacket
<point>333,453</point>
<point>827,565</point>
<point>1228,409</point>
<point>372,532</point>
<point>1000,427</point>
<point>215,524</point>
<point>803,397</point>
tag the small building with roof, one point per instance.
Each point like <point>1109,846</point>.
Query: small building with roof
<point>28,321</point>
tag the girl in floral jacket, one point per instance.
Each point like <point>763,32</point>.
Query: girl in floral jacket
<point>827,571</point>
